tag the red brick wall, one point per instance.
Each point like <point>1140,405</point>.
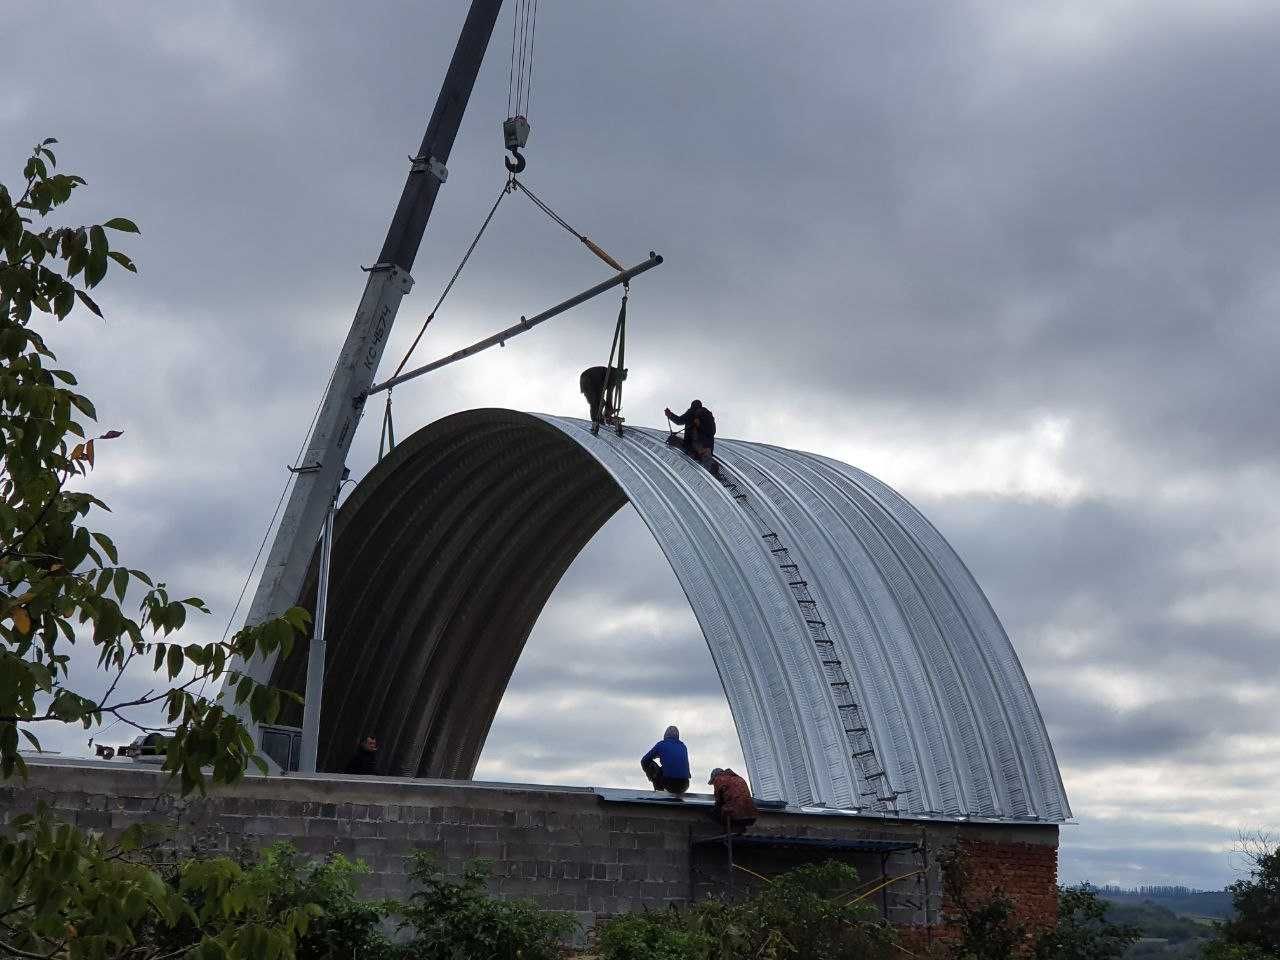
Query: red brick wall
<point>1026,872</point>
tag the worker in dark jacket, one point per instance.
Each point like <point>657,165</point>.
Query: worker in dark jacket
<point>667,764</point>
<point>699,429</point>
<point>365,759</point>
<point>596,383</point>
<point>734,809</point>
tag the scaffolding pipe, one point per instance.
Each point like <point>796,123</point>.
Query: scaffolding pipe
<point>500,338</point>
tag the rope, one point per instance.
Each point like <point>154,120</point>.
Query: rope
<point>452,280</point>
<point>586,241</point>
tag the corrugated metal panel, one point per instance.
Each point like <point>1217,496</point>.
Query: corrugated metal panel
<point>861,662</point>
<point>953,720</point>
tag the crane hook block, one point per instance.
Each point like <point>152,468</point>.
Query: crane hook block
<point>515,134</point>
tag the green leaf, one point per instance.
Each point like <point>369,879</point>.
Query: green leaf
<point>88,301</point>
<point>124,261</point>
<point>108,548</point>
<point>31,739</point>
<point>122,224</point>
<point>120,581</point>
<point>175,660</point>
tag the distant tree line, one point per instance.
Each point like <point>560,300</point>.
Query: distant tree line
<point>1153,892</point>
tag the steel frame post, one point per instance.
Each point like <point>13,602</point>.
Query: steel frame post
<point>389,280</point>
<point>316,652</point>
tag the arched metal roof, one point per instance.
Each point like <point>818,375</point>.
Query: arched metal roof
<point>815,585</point>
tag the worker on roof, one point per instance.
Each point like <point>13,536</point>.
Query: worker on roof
<point>596,384</point>
<point>735,810</point>
<point>699,429</point>
<point>667,764</point>
<point>699,434</point>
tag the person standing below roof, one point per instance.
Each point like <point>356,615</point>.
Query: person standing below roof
<point>365,760</point>
<point>667,764</point>
<point>734,809</point>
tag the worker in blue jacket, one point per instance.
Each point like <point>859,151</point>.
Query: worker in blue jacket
<point>667,764</point>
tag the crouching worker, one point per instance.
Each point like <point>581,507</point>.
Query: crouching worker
<point>667,764</point>
<point>734,809</point>
<point>596,384</point>
<point>699,439</point>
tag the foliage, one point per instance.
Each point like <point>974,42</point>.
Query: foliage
<point>986,920</point>
<point>1156,921</point>
<point>344,925</point>
<point>1254,932</point>
<point>1084,931</point>
<point>60,580</point>
<point>651,936</point>
<point>456,919</point>
<point>811,912</point>
<point>64,893</point>
<point>274,885</point>
<point>989,928</point>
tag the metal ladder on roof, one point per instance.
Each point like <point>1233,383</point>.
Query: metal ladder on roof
<point>852,718</point>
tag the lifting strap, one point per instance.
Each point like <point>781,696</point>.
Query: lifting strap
<point>387,441</point>
<point>613,385</point>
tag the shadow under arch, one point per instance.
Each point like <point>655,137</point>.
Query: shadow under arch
<point>447,551</point>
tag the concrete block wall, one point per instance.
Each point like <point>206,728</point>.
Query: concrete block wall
<point>561,846</point>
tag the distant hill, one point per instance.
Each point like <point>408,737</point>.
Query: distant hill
<point>1182,901</point>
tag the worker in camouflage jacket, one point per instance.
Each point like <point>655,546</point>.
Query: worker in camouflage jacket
<point>735,810</point>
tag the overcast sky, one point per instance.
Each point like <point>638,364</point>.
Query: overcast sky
<point>1019,260</point>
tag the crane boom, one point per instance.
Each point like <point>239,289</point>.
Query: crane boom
<point>320,471</point>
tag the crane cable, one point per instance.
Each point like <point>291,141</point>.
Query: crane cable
<point>387,441</point>
<point>388,438</point>
<point>524,26</point>
<point>587,241</point>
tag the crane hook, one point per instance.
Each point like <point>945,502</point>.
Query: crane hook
<point>518,166</point>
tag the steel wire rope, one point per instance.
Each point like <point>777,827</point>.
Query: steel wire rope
<point>511,69</point>
<point>506,188</point>
<point>524,30</point>
<point>275,514</point>
<point>533,33</point>
<point>586,241</point>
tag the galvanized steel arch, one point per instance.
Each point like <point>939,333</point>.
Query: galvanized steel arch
<point>447,551</point>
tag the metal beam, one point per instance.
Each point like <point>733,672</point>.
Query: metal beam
<point>314,693</point>
<point>389,280</point>
<point>502,336</point>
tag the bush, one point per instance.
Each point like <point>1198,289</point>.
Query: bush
<point>456,919</point>
<point>651,936</point>
<point>812,913</point>
<point>342,925</point>
<point>1083,931</point>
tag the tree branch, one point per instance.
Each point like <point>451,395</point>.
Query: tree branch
<point>32,956</point>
